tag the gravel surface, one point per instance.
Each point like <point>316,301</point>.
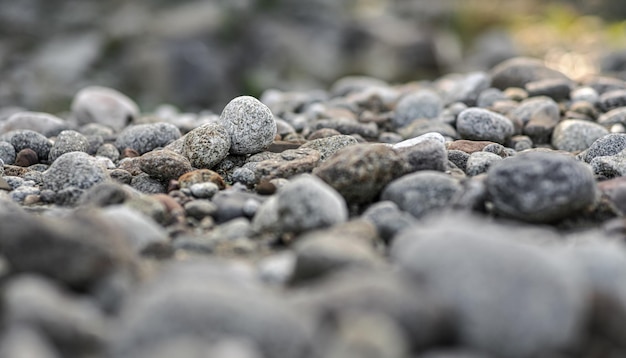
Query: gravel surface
<point>480,215</point>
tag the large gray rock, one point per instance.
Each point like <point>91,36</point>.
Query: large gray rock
<point>146,137</point>
<point>249,123</point>
<point>510,298</point>
<point>76,169</point>
<point>540,187</point>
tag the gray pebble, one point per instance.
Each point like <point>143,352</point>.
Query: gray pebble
<point>95,141</point>
<point>488,97</point>
<point>139,230</point>
<point>585,94</point>
<point>74,169</point>
<point>479,162</point>
<point>108,150</point>
<point>148,185</point>
<point>68,196</point>
<point>43,123</point>
<point>249,123</point>
<point>482,124</point>
<point>422,126</point>
<point>207,145</point>
<point>510,298</point>
<point>13,181</point>
<point>423,192</point>
<point>388,219</point>
<point>423,103</point>
<point>607,145</point>
<point>614,116</point>
<point>518,71</point>
<point>458,158</point>
<point>610,166</point>
<point>540,186</point>
<point>556,88</point>
<point>612,99</point>
<point>307,203</point>
<point>7,153</point>
<point>329,145</point>
<point>20,193</point>
<point>575,135</point>
<point>244,176</point>
<point>105,194</point>
<point>68,141</point>
<point>164,165</point>
<point>25,138</point>
<point>520,142</point>
<point>429,154</point>
<point>104,106</point>
<point>204,190</point>
<point>146,137</point>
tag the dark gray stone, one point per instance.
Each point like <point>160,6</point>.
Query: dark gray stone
<point>482,124</point>
<point>68,141</point>
<point>556,88</point>
<point>510,298</point>
<point>423,192</point>
<point>540,186</point>
<point>25,138</point>
<point>607,145</point>
<point>388,219</point>
<point>148,185</point>
<point>429,154</point>
<point>612,100</point>
<point>614,116</point>
<point>458,158</point>
<point>146,137</point>
<point>519,71</point>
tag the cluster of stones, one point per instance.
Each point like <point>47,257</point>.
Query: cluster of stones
<point>478,215</point>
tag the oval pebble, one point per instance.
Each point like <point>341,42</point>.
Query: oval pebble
<point>68,141</point>
<point>540,186</point>
<point>103,105</point>
<point>146,137</point>
<point>74,169</point>
<point>482,124</point>
<point>607,145</point>
<point>249,123</point>
<point>207,145</point>
<point>423,103</point>
<point>574,135</point>
<point>164,165</point>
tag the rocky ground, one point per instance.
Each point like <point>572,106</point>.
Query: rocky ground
<point>477,215</point>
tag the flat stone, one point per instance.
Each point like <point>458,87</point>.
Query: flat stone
<point>330,145</point>
<point>287,164</point>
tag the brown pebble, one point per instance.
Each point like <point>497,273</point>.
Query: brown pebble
<point>31,199</point>
<point>281,146</point>
<point>468,146</point>
<point>201,176</point>
<point>265,187</point>
<point>26,157</point>
<point>129,153</point>
<point>173,185</point>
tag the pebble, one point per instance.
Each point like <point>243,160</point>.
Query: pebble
<point>201,176</point>
<point>68,141</point>
<point>458,158</point>
<point>148,185</point>
<point>74,169</point>
<point>610,166</point>
<point>538,116</point>
<point>388,219</point>
<point>614,116</point>
<point>488,97</point>
<point>104,106</point>
<point>286,164</point>
<point>204,190</point>
<point>108,150</point>
<point>26,157</point>
<point>329,145</point>
<point>249,123</point>
<point>199,209</point>
<point>146,137</point>
<point>540,187</point>
<point>575,135</point>
<point>44,123</point>
<point>428,153</point>
<point>139,230</point>
<point>207,145</point>
<point>607,145</point>
<point>423,103</point>
<point>307,203</point>
<point>422,193</point>
<point>28,139</point>
<point>359,172</point>
<point>485,125</point>
<point>612,100</point>
<point>519,71</point>
<point>423,126</point>
<point>499,288</point>
<point>556,88</point>
<point>480,162</point>
<point>584,94</point>
<point>7,152</point>
<point>164,165</point>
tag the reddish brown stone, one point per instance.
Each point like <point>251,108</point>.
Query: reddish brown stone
<point>26,157</point>
<point>468,146</point>
<point>201,176</point>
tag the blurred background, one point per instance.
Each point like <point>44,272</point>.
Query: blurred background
<point>199,54</point>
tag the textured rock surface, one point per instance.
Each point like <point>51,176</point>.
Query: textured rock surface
<point>249,123</point>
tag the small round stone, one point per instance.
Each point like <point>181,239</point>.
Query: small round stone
<point>108,150</point>
<point>26,157</point>
<point>540,186</point>
<point>146,137</point>
<point>249,123</point>
<point>68,141</point>
<point>308,203</point>
<point>74,169</point>
<point>489,96</point>
<point>482,124</point>
<point>104,106</point>
<point>423,192</point>
<point>244,176</point>
<point>204,190</point>
<point>25,138</point>
<point>423,103</point>
<point>574,135</point>
<point>164,165</point>
<point>207,145</point>
<point>479,162</point>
